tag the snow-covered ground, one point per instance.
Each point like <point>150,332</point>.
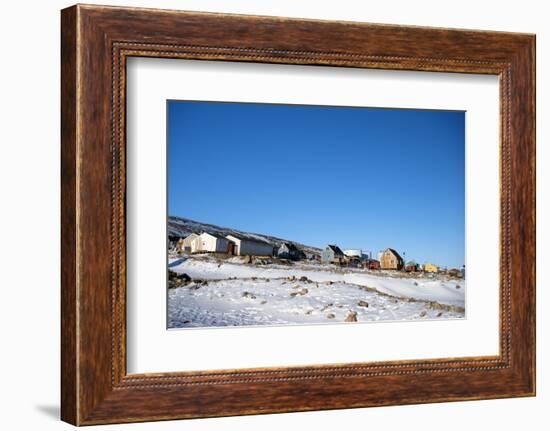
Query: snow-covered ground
<point>231,293</point>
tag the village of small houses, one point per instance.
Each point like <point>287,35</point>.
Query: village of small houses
<point>219,277</point>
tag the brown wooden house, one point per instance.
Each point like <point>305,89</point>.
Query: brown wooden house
<point>390,259</point>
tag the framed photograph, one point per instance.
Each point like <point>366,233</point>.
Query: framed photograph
<point>325,214</point>
<point>220,276</point>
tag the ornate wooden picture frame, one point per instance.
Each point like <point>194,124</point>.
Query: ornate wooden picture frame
<point>96,41</point>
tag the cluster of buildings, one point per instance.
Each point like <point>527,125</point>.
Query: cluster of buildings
<point>230,244</point>
<point>237,245</point>
<point>387,259</point>
<point>241,245</point>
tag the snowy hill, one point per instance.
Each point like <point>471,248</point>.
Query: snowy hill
<point>179,227</point>
<point>228,292</point>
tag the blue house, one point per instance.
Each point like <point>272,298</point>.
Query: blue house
<point>332,254</point>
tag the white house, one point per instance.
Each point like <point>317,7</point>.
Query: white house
<point>354,252</point>
<point>188,244</point>
<point>211,243</point>
<point>246,246</point>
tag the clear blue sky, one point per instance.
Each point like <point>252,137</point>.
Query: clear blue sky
<point>357,177</point>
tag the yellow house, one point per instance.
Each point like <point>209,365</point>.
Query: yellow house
<point>430,267</point>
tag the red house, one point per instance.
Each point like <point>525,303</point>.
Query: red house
<point>372,264</point>
<point>411,266</point>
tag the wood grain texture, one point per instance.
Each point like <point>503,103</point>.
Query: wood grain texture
<point>69,397</point>
<point>96,41</point>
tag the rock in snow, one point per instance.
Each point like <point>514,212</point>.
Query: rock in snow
<point>351,317</point>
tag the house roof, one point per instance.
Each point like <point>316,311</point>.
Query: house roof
<point>289,245</point>
<point>213,235</point>
<point>248,238</point>
<point>393,252</point>
<point>335,249</point>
